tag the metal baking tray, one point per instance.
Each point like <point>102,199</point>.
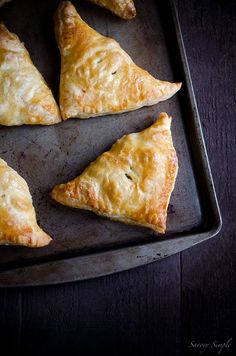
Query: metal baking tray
<point>85,245</point>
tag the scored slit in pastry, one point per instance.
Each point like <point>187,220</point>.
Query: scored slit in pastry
<point>18,225</point>
<point>24,96</point>
<point>97,76</point>
<point>132,182</point>
<point>122,8</point>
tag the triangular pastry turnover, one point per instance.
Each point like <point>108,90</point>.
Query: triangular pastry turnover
<point>122,8</point>
<point>97,76</point>
<point>18,225</point>
<point>24,96</point>
<point>132,182</point>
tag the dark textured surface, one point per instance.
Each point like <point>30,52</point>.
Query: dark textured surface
<point>73,144</point>
<point>193,214</point>
<point>162,308</point>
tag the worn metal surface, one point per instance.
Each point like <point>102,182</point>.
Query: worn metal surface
<point>86,245</point>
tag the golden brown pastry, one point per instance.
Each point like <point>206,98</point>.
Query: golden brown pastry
<point>18,225</point>
<point>24,96</point>
<point>97,76</point>
<point>132,182</point>
<point>123,8</point>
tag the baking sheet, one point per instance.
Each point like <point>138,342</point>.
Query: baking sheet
<point>46,156</point>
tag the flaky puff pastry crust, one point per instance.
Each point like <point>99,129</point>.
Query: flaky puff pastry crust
<point>97,76</point>
<point>122,8</point>
<point>132,182</point>
<point>24,96</point>
<point>18,225</point>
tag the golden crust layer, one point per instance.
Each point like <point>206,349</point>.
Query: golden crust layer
<point>132,182</point>
<point>97,76</point>
<point>122,8</point>
<point>24,96</point>
<point>18,225</point>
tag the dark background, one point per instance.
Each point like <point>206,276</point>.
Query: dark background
<point>167,307</point>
